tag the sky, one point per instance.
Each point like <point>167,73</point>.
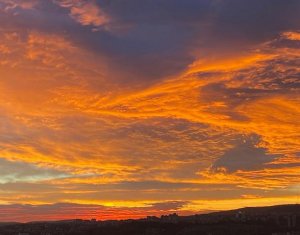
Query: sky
<point>115,109</point>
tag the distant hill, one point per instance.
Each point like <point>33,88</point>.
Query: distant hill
<point>279,209</point>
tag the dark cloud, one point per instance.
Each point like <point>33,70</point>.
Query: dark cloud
<point>232,96</point>
<point>62,211</point>
<point>245,157</point>
<point>163,34</point>
<point>47,212</point>
<point>149,40</point>
<point>158,11</point>
<point>254,19</point>
<point>173,205</point>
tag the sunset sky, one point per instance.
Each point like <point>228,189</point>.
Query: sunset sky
<point>115,109</point>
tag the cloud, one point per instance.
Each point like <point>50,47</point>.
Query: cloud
<point>153,40</point>
<point>185,123</point>
<point>85,12</point>
<point>136,101</point>
<point>23,172</point>
<point>245,157</point>
<point>168,206</point>
<point>11,5</point>
<point>50,212</point>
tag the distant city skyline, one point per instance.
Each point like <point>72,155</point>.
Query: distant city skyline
<point>123,109</point>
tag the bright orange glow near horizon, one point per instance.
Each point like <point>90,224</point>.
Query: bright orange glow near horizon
<point>124,109</point>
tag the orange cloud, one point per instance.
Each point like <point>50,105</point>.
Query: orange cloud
<point>61,109</point>
<point>85,12</point>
